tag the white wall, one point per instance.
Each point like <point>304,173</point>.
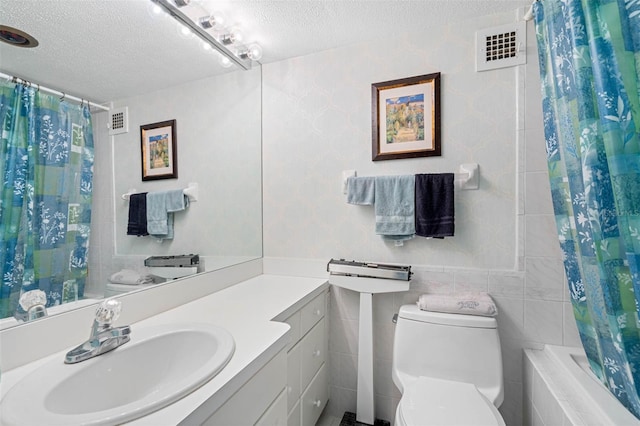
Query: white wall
<point>317,123</point>
<point>218,146</point>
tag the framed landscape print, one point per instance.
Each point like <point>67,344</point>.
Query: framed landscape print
<point>405,118</point>
<point>159,150</point>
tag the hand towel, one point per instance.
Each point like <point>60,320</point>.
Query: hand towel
<point>360,190</point>
<point>130,277</point>
<point>435,215</point>
<point>467,303</point>
<point>160,208</point>
<point>137,224</point>
<point>394,207</point>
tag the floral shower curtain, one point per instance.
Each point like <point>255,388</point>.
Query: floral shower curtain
<point>589,54</point>
<point>46,154</point>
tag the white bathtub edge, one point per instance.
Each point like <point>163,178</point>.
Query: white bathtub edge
<point>581,397</point>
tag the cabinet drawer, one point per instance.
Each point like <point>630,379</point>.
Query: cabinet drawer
<point>314,399</point>
<point>311,313</point>
<point>293,377</point>
<point>313,352</point>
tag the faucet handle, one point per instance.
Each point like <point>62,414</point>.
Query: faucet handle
<point>108,311</point>
<point>32,298</point>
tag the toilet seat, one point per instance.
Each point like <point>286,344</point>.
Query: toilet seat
<point>430,401</point>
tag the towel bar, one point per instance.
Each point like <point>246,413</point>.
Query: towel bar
<point>191,191</point>
<point>467,177</point>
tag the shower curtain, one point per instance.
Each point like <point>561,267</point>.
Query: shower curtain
<point>589,54</point>
<point>46,154</point>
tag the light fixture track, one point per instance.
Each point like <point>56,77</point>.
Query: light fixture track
<point>200,32</point>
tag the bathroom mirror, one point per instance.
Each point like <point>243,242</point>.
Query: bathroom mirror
<point>122,53</point>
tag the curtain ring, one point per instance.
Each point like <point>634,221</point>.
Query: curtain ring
<point>62,97</point>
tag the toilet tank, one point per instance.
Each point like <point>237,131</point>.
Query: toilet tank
<point>464,348</point>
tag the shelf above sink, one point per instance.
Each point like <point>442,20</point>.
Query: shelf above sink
<point>369,285</point>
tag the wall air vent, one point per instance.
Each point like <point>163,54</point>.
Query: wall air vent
<point>118,121</point>
<point>500,47</point>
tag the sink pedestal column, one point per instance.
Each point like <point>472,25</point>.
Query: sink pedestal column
<point>365,412</point>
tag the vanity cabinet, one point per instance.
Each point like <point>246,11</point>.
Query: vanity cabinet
<point>260,401</point>
<point>307,382</point>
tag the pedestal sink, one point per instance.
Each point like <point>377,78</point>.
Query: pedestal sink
<point>366,287</point>
<point>157,367</point>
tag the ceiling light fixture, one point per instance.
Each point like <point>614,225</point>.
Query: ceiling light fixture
<point>224,38</point>
<point>16,37</point>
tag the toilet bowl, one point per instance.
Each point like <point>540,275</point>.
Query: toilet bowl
<point>113,289</point>
<point>429,401</point>
<point>448,368</point>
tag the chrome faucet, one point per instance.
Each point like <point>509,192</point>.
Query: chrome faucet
<point>103,338</point>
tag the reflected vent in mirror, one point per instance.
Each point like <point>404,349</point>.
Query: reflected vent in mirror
<point>503,46</point>
<point>118,121</point>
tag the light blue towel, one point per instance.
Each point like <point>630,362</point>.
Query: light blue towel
<point>395,207</point>
<point>160,208</point>
<point>360,190</point>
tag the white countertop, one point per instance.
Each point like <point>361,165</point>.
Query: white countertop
<point>247,310</point>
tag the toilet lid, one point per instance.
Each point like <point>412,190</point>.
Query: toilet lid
<point>430,401</point>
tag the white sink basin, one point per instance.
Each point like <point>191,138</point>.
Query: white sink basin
<point>157,367</point>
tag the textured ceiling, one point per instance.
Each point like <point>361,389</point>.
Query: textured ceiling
<point>110,49</point>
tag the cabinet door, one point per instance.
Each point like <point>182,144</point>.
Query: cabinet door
<point>313,352</point>
<point>314,399</point>
<point>294,415</point>
<point>293,377</point>
<point>276,415</point>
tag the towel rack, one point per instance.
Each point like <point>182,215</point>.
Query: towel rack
<point>467,177</point>
<point>191,191</point>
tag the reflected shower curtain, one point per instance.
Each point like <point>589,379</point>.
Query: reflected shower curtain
<point>46,154</point>
<point>589,54</point>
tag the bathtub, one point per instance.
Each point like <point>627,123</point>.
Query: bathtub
<point>561,389</point>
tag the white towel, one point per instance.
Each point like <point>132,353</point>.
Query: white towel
<point>130,277</point>
<point>468,303</point>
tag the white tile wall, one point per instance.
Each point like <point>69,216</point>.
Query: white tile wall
<point>317,123</point>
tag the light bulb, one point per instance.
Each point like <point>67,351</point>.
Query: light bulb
<point>210,21</point>
<point>232,37</point>
<point>255,51</point>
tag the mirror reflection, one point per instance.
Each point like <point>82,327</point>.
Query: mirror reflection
<point>167,77</point>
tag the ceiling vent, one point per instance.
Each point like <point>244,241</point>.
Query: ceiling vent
<point>500,47</point>
<point>118,121</point>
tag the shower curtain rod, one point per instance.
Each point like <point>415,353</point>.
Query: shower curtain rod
<point>52,91</point>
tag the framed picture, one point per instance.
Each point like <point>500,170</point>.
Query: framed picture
<point>405,118</point>
<point>159,150</point>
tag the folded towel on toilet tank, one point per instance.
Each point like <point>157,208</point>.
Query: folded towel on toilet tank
<point>468,303</point>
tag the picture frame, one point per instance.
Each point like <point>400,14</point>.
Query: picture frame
<point>159,150</point>
<point>405,118</point>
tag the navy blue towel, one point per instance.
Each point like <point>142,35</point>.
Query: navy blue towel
<point>435,215</point>
<point>137,215</point>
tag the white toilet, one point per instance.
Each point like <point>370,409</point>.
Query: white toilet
<point>113,289</point>
<point>448,368</point>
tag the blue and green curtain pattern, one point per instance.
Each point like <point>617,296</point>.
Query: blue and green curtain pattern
<point>589,54</point>
<point>46,153</point>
